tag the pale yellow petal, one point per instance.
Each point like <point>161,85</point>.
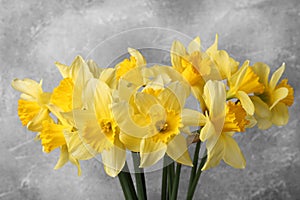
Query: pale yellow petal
<point>180,91</point>
<point>122,115</point>
<point>63,69</point>
<point>75,162</point>
<point>77,147</point>
<point>102,99</point>
<point>278,95</point>
<point>35,124</point>
<point>94,69</point>
<point>114,159</point>
<point>144,102</point>
<point>194,45</point>
<point>233,155</point>
<point>28,87</point>
<point>151,152</point>
<point>213,48</point>
<point>132,143</point>
<point>170,100</point>
<point>246,102</point>
<point>192,118</point>
<point>214,96</point>
<point>276,76</point>
<point>178,150</point>
<point>108,76</point>
<point>63,157</point>
<point>140,60</point>
<point>280,114</point>
<point>215,155</point>
<point>80,74</point>
<point>126,90</point>
<point>177,53</point>
<point>262,70</point>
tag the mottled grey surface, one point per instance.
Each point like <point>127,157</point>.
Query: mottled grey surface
<point>34,35</point>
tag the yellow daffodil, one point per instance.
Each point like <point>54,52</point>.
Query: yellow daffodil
<point>156,127</point>
<point>225,64</point>
<point>136,60</point>
<point>271,107</point>
<point>192,65</point>
<point>222,120</point>
<point>245,81</point>
<point>32,109</point>
<point>52,136</point>
<point>98,129</point>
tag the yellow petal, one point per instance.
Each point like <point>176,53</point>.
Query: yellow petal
<point>180,90</point>
<point>276,76</point>
<point>289,99</point>
<point>280,114</point>
<point>246,102</point>
<point>140,60</point>
<point>80,76</point>
<point>278,95</point>
<point>178,150</point>
<point>132,143</point>
<point>194,45</point>
<point>28,87</point>
<point>145,101</point>
<point>122,115</point>
<point>114,159</point>
<point>151,152</point>
<point>75,162</point>
<point>90,131</point>
<point>77,147</point>
<point>233,156</point>
<point>177,53</point>
<point>170,100</point>
<point>35,124</point>
<point>63,157</point>
<point>192,118</point>
<point>63,69</point>
<point>215,155</point>
<point>262,70</point>
<point>126,89</point>
<point>94,69</point>
<point>213,48</point>
<point>108,76</point>
<point>214,96</point>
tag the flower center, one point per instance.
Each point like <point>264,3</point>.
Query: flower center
<point>161,126</point>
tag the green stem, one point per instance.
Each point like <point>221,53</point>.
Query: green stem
<point>164,181</point>
<point>170,178</point>
<point>127,184</point>
<point>139,177</point>
<point>197,177</point>
<point>195,163</point>
<point>176,182</point>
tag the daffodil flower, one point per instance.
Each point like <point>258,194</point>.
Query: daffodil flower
<point>136,60</point>
<point>156,127</point>
<point>98,129</point>
<point>225,64</point>
<point>242,83</point>
<point>271,107</point>
<point>192,64</point>
<point>222,120</point>
<point>32,109</point>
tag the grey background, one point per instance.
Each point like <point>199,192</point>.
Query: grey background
<point>34,35</point>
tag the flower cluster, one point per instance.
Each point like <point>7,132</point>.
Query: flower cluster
<point>107,111</point>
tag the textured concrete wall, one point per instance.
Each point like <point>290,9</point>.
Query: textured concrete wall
<point>34,35</point>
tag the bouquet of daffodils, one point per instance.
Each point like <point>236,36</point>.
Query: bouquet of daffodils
<point>142,109</point>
